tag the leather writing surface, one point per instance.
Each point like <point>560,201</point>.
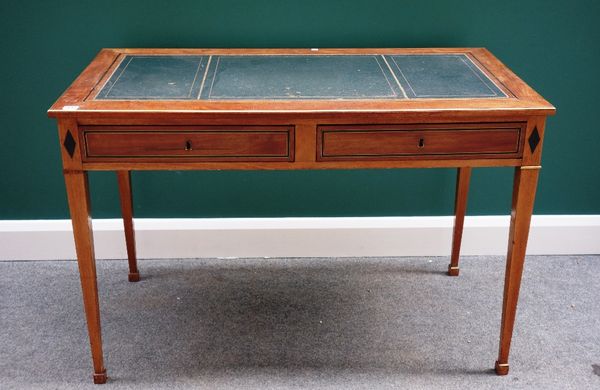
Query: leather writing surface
<point>296,77</point>
<point>442,76</point>
<point>155,78</point>
<point>301,77</point>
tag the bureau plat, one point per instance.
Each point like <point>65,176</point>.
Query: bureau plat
<point>279,109</point>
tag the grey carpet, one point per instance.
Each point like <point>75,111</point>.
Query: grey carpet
<point>359,323</point>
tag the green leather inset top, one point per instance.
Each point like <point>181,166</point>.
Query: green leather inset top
<point>292,77</point>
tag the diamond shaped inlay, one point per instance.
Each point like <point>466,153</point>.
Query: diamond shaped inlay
<point>69,143</point>
<point>534,139</point>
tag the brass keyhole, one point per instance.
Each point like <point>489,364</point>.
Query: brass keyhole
<point>421,142</point>
<point>188,145</point>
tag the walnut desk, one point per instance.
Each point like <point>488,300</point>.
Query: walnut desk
<point>209,109</point>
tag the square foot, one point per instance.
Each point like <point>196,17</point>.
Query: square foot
<point>453,271</point>
<point>501,369</point>
<point>134,277</point>
<point>100,379</point>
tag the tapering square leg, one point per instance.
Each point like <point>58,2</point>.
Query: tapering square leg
<point>524,188</point>
<point>79,206</point>
<point>124,179</point>
<point>463,178</point>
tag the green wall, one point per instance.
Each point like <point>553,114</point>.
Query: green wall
<point>552,45</point>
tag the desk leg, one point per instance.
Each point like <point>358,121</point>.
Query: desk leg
<point>524,187</point>
<point>79,205</point>
<point>460,207</point>
<point>124,179</point>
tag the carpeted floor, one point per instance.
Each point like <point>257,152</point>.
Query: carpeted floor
<point>352,323</point>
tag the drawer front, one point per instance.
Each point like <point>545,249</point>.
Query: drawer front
<point>270,143</point>
<point>390,142</point>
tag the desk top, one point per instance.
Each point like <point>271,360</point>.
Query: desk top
<point>297,80</point>
<point>291,77</point>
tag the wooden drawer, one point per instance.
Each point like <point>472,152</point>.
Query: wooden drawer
<point>390,142</point>
<point>197,143</point>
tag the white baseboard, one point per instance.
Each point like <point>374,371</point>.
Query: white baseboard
<point>299,237</point>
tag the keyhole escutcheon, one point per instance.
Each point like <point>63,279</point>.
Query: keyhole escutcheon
<point>188,145</point>
<point>421,142</point>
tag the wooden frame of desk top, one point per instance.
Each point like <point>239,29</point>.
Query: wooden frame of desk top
<point>299,134</point>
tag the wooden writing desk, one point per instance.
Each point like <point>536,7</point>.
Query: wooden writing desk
<point>151,109</point>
